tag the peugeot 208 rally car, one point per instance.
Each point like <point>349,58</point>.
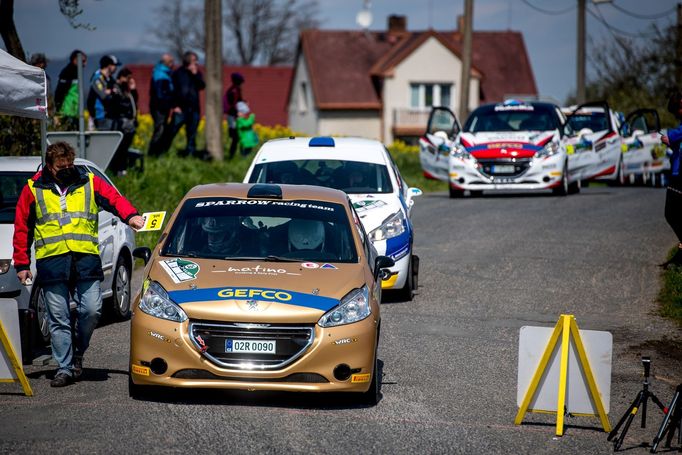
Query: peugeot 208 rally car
<point>260,287</point>
<point>364,170</point>
<point>513,145</point>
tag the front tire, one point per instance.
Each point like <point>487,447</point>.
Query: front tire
<point>562,189</point>
<point>574,188</point>
<point>406,293</point>
<point>456,194</point>
<point>373,394</point>
<point>41,328</point>
<point>120,299</point>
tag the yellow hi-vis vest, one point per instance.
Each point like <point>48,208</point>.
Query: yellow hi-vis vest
<point>59,231</point>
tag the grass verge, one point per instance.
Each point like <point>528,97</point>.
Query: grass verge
<point>670,296</point>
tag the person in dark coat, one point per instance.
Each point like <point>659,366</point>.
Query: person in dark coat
<point>123,113</point>
<point>67,91</point>
<point>161,98</point>
<point>673,198</point>
<point>187,83</point>
<point>233,95</point>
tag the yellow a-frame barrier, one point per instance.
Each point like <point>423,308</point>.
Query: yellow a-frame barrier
<point>16,365</point>
<point>565,328</point>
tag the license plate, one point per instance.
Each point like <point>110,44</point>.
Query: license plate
<point>503,169</point>
<point>251,346</point>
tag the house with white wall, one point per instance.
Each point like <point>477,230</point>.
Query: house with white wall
<point>382,84</point>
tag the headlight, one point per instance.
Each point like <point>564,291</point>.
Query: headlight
<point>4,265</point>
<point>392,226</point>
<point>354,307</point>
<point>155,302</point>
<point>460,152</point>
<point>549,150</point>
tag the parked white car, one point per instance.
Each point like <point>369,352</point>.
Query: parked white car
<point>645,157</point>
<point>364,169</point>
<point>116,244</point>
<point>514,145</point>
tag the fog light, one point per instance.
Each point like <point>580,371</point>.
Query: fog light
<point>461,180</point>
<point>158,366</point>
<point>545,179</point>
<point>342,372</point>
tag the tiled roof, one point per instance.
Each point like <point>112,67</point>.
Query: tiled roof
<point>346,67</point>
<point>266,89</point>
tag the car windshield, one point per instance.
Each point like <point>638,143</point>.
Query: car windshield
<point>11,184</point>
<point>349,176</point>
<point>255,229</point>
<point>595,121</point>
<point>524,117</point>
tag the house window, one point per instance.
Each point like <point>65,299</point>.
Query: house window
<point>424,96</point>
<point>303,97</point>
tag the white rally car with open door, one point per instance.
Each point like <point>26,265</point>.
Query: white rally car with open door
<point>593,142</point>
<point>515,145</point>
<point>645,157</point>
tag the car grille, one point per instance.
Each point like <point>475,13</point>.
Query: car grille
<point>311,378</point>
<point>292,342</point>
<point>520,166</point>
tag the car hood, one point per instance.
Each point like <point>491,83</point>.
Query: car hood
<point>6,235</point>
<point>505,144</point>
<point>255,291</point>
<point>373,209</point>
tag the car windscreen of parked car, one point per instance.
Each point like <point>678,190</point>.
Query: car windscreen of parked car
<point>251,229</point>
<point>11,184</point>
<point>595,121</point>
<point>524,117</point>
<point>348,176</point>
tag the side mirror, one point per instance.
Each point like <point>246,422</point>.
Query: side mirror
<point>380,265</point>
<point>143,253</point>
<point>414,192</point>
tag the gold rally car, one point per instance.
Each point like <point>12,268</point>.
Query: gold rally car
<point>260,287</point>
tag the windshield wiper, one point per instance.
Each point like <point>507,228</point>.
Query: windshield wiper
<point>273,258</point>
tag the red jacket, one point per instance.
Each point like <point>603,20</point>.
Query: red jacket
<point>52,268</point>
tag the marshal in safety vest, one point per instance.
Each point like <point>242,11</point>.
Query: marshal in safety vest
<point>59,231</point>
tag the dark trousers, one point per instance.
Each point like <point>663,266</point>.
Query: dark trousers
<point>191,122</point>
<point>234,141</point>
<point>162,130</point>
<point>673,205</point>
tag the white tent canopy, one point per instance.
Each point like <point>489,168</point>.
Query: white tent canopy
<point>23,88</point>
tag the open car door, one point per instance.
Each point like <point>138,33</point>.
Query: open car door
<point>643,152</point>
<point>594,143</point>
<point>436,143</point>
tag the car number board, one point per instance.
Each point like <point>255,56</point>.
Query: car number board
<point>503,169</point>
<point>251,346</point>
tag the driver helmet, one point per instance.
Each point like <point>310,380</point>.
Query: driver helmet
<point>306,235</point>
<point>221,231</point>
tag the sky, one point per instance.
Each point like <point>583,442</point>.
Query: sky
<point>550,38</point>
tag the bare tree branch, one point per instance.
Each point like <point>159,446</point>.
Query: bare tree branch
<point>180,27</point>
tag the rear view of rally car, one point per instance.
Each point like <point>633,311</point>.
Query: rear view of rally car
<point>506,146</point>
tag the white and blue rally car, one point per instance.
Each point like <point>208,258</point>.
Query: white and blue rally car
<point>364,169</point>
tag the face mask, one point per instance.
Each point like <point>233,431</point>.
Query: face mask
<point>68,175</point>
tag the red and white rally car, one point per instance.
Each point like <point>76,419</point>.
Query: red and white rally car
<point>505,146</point>
<point>645,157</point>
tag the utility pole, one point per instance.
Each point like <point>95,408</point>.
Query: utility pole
<point>678,48</point>
<point>467,25</point>
<point>213,23</point>
<point>580,87</point>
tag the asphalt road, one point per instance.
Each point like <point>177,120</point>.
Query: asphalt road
<point>488,266</point>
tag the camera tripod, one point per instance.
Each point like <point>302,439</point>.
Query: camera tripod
<point>671,422</point>
<point>640,403</point>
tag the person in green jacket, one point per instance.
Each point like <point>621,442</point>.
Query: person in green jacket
<point>248,138</point>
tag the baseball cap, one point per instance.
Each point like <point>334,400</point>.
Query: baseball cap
<point>107,60</point>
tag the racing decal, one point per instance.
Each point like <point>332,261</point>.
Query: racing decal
<point>361,206</point>
<point>328,266</point>
<point>158,336</point>
<point>142,371</point>
<point>514,107</point>
<point>257,270</point>
<point>343,341</point>
<point>302,205</point>
<point>310,265</point>
<point>398,247</point>
<point>359,378</point>
<point>180,269</point>
<point>262,294</point>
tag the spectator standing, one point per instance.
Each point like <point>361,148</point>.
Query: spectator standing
<point>66,92</point>
<point>187,83</point>
<point>233,95</point>
<point>123,113</point>
<point>248,138</point>
<point>673,197</point>
<point>161,104</point>
<point>99,96</point>
<point>39,60</point>
<point>58,210</point>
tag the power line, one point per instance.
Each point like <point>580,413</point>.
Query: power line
<point>643,16</point>
<point>600,18</point>
<point>546,11</point>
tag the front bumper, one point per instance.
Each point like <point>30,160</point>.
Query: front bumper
<point>400,250</point>
<point>540,174</point>
<point>353,345</point>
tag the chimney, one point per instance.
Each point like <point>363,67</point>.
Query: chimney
<point>397,24</point>
<point>460,23</point>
